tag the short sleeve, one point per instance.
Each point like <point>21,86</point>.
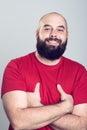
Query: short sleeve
<point>80,87</point>
<point>12,78</point>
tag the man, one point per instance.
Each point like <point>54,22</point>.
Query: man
<point>44,90</point>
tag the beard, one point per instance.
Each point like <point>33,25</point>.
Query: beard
<point>51,52</point>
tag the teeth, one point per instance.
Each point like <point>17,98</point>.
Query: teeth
<point>53,41</point>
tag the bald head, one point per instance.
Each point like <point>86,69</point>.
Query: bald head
<point>52,16</point>
<point>52,36</point>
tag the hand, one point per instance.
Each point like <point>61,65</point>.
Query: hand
<point>34,97</point>
<point>66,99</point>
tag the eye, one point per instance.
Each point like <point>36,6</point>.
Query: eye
<point>47,29</point>
<point>60,30</point>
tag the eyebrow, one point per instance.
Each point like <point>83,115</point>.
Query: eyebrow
<point>47,25</point>
<point>60,26</point>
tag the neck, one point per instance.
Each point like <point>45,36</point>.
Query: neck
<point>46,61</point>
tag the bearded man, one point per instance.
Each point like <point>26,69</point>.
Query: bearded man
<point>45,90</point>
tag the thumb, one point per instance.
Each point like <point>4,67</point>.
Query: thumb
<point>61,91</point>
<point>37,87</point>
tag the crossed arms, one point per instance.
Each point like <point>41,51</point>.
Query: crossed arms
<point>25,111</point>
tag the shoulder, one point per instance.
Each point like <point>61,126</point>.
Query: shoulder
<point>19,64</point>
<point>73,65</point>
<point>20,61</point>
<point>23,58</point>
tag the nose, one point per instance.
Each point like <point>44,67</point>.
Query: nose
<point>53,33</point>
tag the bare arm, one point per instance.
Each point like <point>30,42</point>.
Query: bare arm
<point>25,111</point>
<point>75,121</point>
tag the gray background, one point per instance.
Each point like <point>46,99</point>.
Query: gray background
<point>18,22</point>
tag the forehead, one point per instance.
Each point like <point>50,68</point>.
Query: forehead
<point>53,20</point>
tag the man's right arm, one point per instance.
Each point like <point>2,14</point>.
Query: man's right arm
<point>26,113</point>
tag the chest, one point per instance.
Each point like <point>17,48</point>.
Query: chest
<point>48,80</point>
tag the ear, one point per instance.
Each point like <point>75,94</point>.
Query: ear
<point>67,34</point>
<point>37,33</point>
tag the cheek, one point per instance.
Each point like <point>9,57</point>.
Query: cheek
<point>43,36</point>
<point>64,37</point>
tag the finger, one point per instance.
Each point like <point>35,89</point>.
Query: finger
<point>37,87</point>
<point>60,89</point>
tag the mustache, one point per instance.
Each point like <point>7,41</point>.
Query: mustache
<point>53,39</point>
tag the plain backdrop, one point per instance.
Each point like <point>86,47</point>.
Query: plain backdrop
<point>18,22</point>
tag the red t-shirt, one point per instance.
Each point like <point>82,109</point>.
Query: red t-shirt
<point>23,73</point>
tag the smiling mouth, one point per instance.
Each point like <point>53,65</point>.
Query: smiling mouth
<point>53,41</point>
